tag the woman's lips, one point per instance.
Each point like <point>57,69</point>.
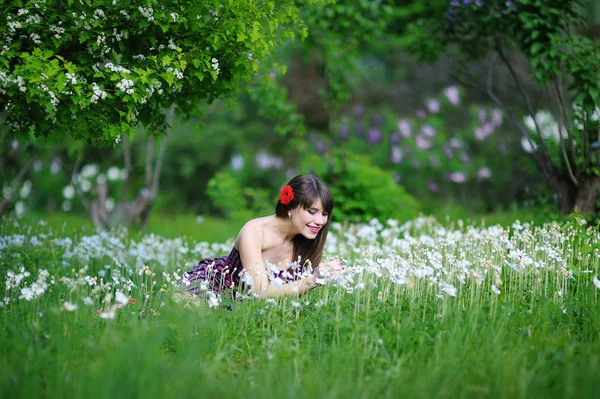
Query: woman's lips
<point>314,230</point>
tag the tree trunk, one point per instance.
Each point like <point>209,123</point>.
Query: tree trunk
<point>587,194</point>
<point>98,211</point>
<point>140,209</point>
<point>559,183</point>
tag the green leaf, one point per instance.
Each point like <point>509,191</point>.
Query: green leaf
<point>536,48</point>
<point>255,32</point>
<point>241,36</point>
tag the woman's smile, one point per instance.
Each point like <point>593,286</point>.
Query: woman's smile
<point>314,229</point>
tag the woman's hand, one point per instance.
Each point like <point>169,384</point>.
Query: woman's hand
<point>328,269</point>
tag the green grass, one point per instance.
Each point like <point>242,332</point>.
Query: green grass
<point>380,341</point>
<point>217,229</point>
<point>211,229</point>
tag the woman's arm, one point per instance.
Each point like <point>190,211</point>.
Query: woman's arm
<point>250,246</point>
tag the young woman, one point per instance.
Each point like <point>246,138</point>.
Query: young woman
<point>265,248</point>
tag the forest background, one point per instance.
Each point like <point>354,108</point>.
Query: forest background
<point>456,109</point>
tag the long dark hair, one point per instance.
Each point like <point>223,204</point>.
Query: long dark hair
<point>308,189</point>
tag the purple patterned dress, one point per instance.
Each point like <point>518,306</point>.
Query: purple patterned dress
<point>222,273</point>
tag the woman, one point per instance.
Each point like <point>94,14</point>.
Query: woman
<point>266,247</point>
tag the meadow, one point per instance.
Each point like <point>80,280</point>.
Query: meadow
<point>423,309</point>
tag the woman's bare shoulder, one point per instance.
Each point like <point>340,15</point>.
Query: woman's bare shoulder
<point>252,228</point>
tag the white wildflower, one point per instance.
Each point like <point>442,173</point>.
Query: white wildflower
<point>121,298</point>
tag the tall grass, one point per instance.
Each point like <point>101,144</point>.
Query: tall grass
<point>423,310</point>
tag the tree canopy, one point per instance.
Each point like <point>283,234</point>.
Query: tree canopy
<point>93,70</point>
<point>562,61</point>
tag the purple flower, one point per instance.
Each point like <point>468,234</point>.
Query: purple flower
<point>237,162</point>
<point>344,131</point>
<point>457,177</point>
<point>405,129</point>
<point>397,177</point>
<point>433,187</point>
<point>428,131</point>
<point>482,115</point>
<point>374,135</point>
<point>464,157</point>
<point>15,144</point>
<point>433,106</point>
<point>422,143</point>
<point>454,143</point>
<point>263,160</point>
<point>497,117</point>
<point>452,94</point>
<point>396,155</point>
<point>483,132</point>
<point>484,173</point>
<point>320,147</point>
<point>421,113</point>
<point>394,138</point>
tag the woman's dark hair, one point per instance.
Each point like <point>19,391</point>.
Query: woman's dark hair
<point>308,189</point>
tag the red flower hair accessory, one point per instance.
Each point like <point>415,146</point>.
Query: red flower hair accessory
<point>286,194</point>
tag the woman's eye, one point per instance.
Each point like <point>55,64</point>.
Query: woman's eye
<point>325,214</point>
<point>312,212</point>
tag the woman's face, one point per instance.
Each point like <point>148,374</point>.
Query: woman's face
<point>309,221</point>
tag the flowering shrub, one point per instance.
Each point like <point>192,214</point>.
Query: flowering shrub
<point>93,70</point>
<point>445,150</point>
<point>234,198</point>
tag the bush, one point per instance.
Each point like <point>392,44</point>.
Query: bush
<point>235,199</point>
<point>361,190</point>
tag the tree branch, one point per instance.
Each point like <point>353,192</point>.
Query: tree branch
<point>14,186</point>
<point>558,88</point>
<point>128,169</point>
<point>514,119</point>
<point>563,149</point>
<point>500,104</point>
<point>502,53</point>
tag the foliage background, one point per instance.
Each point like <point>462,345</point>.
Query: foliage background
<point>348,101</point>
